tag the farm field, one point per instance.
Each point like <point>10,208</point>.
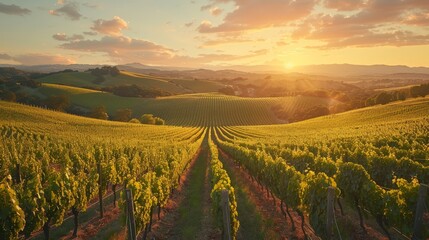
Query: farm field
<point>384,148</point>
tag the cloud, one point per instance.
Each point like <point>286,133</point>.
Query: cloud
<point>117,46</point>
<point>112,27</point>
<point>348,5</point>
<point>227,40</point>
<point>91,5</point>
<point>216,11</point>
<point>256,14</point>
<point>189,24</point>
<point>64,37</point>
<point>371,23</point>
<point>4,56</point>
<point>90,33</point>
<point>70,10</point>
<point>417,19</point>
<point>206,7</point>
<point>397,38</point>
<point>330,23</point>
<point>122,49</point>
<point>13,10</point>
<point>38,59</point>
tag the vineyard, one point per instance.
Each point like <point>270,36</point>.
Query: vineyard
<point>354,175</point>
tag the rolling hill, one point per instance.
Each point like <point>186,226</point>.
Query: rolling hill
<point>202,109</point>
<point>173,86</point>
<point>380,119</point>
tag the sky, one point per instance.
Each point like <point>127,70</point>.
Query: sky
<point>276,34</point>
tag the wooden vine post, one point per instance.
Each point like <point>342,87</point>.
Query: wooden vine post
<point>100,190</point>
<point>330,213</point>
<point>130,215</point>
<point>418,220</point>
<point>226,215</point>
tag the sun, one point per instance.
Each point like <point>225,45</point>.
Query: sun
<point>288,65</point>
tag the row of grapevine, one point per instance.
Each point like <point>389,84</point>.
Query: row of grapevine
<point>394,206</point>
<point>221,181</point>
<point>211,109</point>
<point>382,161</point>
<point>47,174</point>
<point>305,193</point>
<point>152,188</point>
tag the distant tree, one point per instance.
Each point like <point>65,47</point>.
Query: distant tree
<point>99,113</point>
<point>134,120</point>
<point>419,91</point>
<point>58,102</point>
<point>99,79</point>
<point>370,102</point>
<point>123,115</point>
<point>135,91</point>
<point>383,98</point>
<point>147,119</point>
<point>114,71</point>
<point>401,96</point>
<point>150,119</point>
<point>159,121</point>
<point>308,113</point>
<point>105,70</point>
<point>227,91</point>
<point>8,96</point>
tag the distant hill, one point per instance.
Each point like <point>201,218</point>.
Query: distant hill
<point>52,68</point>
<point>345,70</point>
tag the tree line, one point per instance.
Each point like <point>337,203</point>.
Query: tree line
<point>399,95</point>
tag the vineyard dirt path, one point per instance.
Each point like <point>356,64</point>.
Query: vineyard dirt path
<point>272,223</point>
<point>188,212</point>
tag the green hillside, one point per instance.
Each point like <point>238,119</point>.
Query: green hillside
<point>173,86</point>
<point>33,120</point>
<point>204,109</point>
<point>380,119</point>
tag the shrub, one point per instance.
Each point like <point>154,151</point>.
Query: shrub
<point>134,120</point>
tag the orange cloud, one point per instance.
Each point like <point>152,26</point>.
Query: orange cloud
<point>215,11</point>
<point>255,14</point>
<point>397,38</point>
<point>418,19</point>
<point>223,41</point>
<point>374,23</point>
<point>123,49</point>
<point>345,5</point>
<point>112,27</point>
<point>120,46</point>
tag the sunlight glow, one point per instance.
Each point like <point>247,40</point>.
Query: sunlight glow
<point>288,65</point>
